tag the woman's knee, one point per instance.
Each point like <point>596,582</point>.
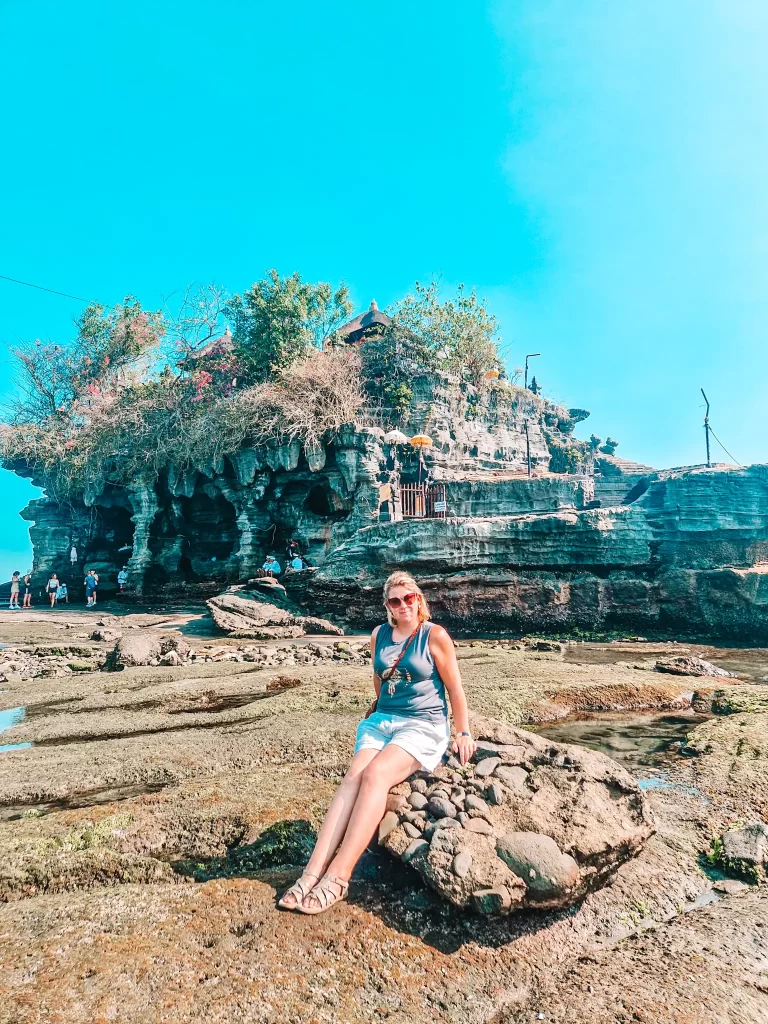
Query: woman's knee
<point>376,776</point>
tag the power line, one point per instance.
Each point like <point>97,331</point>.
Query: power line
<point>724,448</point>
<point>53,291</point>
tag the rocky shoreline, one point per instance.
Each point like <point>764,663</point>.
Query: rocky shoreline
<point>139,781</point>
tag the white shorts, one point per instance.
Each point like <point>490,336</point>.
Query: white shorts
<point>425,740</point>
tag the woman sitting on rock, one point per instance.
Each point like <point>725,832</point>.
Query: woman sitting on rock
<point>406,728</point>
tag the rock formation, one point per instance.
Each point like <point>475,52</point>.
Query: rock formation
<point>530,823</point>
<point>688,551</point>
<point>614,545</point>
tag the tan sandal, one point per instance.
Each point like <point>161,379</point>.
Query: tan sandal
<point>298,890</point>
<point>325,895</point>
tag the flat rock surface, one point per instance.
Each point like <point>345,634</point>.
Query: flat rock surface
<point>138,782</point>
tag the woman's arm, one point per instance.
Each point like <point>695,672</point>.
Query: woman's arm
<point>376,680</point>
<point>441,646</point>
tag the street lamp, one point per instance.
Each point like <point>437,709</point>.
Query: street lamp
<point>530,355</point>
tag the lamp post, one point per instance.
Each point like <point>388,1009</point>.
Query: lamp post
<point>530,355</point>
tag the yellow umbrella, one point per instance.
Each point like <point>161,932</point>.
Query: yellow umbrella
<point>421,441</point>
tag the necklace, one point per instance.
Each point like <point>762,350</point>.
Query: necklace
<point>388,676</point>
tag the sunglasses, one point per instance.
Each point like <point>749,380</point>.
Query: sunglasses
<point>407,600</point>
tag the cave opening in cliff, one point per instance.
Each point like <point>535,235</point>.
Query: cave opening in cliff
<point>210,533</point>
<point>319,503</point>
<point>113,531</point>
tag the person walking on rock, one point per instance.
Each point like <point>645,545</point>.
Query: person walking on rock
<point>27,602</point>
<point>51,588</point>
<point>406,728</point>
<point>14,602</point>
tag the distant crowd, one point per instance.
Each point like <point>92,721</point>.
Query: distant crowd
<point>294,561</point>
<point>56,590</point>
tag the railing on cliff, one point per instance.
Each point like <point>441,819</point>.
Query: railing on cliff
<point>420,501</point>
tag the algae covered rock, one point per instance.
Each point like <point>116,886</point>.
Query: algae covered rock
<point>743,851</point>
<point>529,823</point>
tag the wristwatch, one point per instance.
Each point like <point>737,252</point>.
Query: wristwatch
<point>464,734</point>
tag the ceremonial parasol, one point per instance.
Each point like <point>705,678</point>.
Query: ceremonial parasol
<point>492,375</point>
<point>421,441</point>
<point>395,437</point>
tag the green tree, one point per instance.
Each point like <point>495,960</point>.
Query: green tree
<point>459,332</point>
<point>50,377</point>
<point>110,340</point>
<point>278,320</point>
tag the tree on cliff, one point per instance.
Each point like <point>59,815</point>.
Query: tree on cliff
<point>109,343</point>
<point>279,320</point>
<point>456,335</point>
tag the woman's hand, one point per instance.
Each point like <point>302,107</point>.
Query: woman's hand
<point>465,747</point>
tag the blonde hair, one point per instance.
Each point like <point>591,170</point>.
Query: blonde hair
<point>404,579</point>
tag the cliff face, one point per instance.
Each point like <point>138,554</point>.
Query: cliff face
<point>689,554</point>
<point>679,549</point>
<point>210,525</point>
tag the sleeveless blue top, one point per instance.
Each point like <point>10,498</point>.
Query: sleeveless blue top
<point>418,690</point>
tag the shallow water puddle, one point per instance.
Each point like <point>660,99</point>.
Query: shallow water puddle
<point>9,718</point>
<point>752,663</point>
<point>636,739</point>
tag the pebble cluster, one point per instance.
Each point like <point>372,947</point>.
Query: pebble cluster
<point>269,657</point>
<point>20,664</point>
<point>518,826</point>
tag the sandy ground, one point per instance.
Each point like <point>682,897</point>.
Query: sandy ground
<point>131,772</point>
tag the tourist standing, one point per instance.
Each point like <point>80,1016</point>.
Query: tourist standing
<point>406,728</point>
<point>90,588</point>
<point>51,588</point>
<point>14,602</point>
<point>95,584</point>
<point>27,602</point>
<point>122,579</point>
<point>292,550</point>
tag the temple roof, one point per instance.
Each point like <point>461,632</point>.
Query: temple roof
<point>371,317</point>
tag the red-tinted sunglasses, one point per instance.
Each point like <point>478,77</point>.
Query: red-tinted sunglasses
<point>407,599</point>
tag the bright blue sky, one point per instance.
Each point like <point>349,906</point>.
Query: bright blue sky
<point>597,170</point>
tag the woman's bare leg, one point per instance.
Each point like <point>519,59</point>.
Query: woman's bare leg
<point>337,817</point>
<point>389,766</point>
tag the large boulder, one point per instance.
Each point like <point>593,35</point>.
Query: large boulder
<point>241,615</point>
<point>528,823</point>
<point>148,647</point>
<point>688,665</point>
